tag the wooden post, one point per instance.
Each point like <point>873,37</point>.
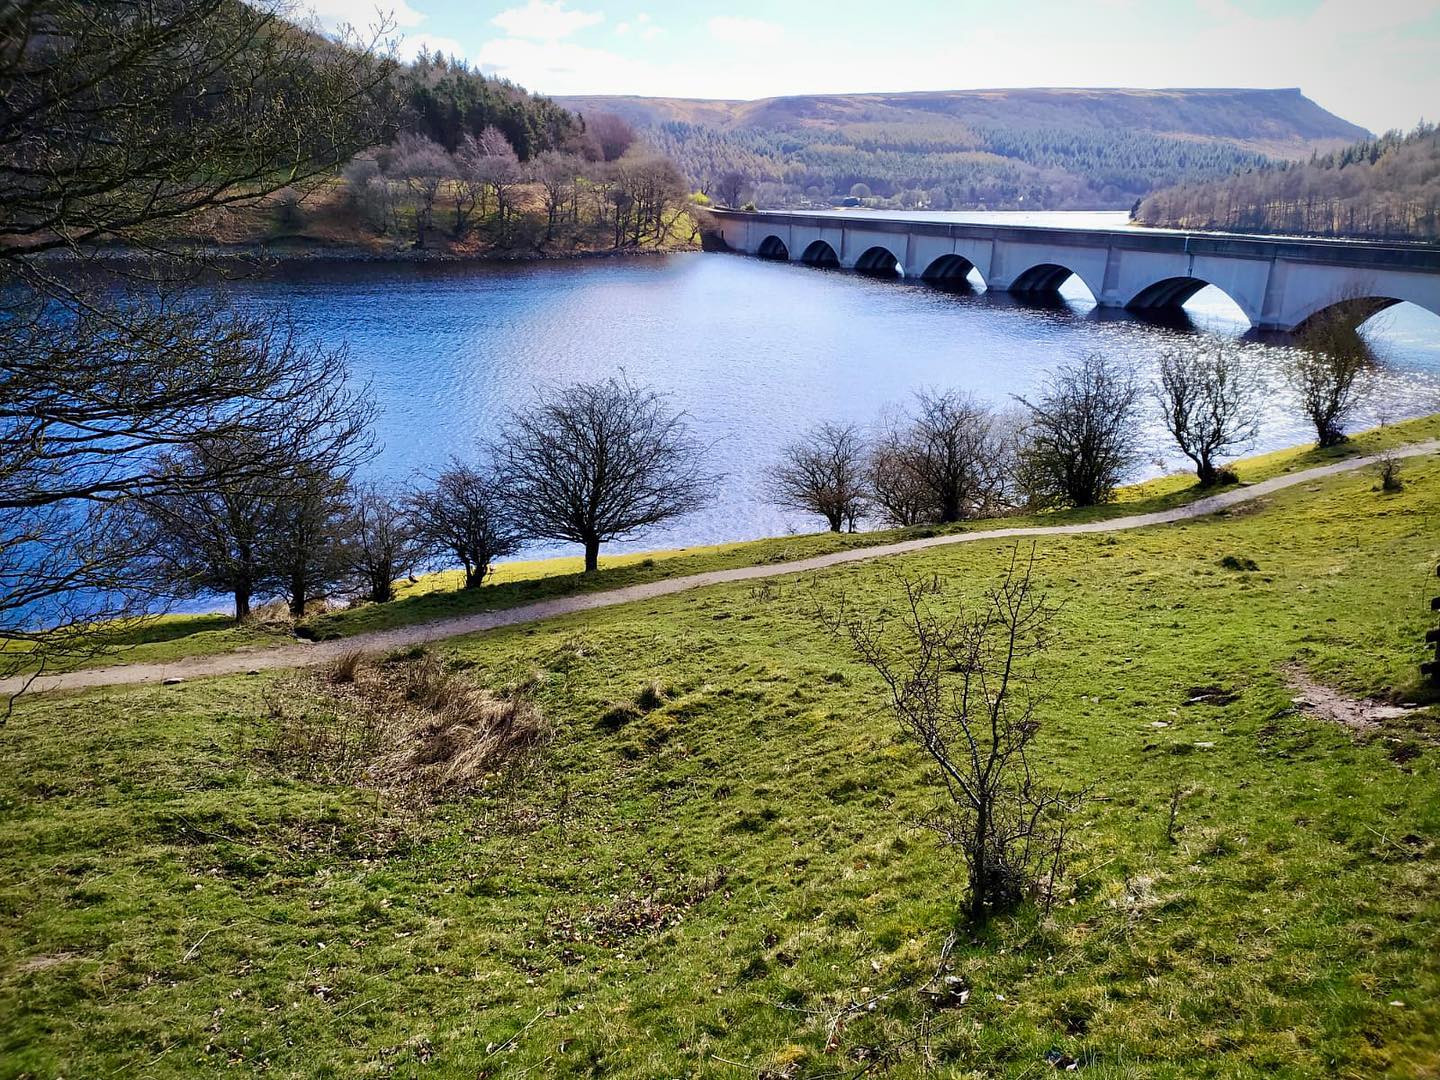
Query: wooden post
<point>1432,667</point>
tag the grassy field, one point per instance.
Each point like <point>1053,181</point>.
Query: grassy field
<point>712,867</point>
<point>438,596</point>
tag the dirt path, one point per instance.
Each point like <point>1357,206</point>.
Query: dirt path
<point>380,641</point>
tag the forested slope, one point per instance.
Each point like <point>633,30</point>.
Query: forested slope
<point>1385,188</point>
<point>1038,148</point>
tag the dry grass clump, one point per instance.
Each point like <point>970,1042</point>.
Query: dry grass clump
<point>407,723</point>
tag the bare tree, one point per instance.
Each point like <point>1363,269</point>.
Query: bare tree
<point>1325,371</point>
<point>600,461</point>
<point>730,188</point>
<point>964,686</point>
<point>897,491</point>
<point>610,134</point>
<point>212,538</point>
<point>381,541</point>
<point>463,512</point>
<point>556,175</point>
<point>1209,403</point>
<point>1081,436</point>
<point>424,167</point>
<point>951,444</point>
<point>304,539</point>
<point>122,122</point>
<point>823,473</point>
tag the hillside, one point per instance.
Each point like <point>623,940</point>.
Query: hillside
<point>1385,188</point>
<point>1045,148</point>
<point>712,852</point>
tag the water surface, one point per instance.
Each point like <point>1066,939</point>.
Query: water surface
<point>754,351</point>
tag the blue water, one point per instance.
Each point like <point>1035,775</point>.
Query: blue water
<point>753,351</point>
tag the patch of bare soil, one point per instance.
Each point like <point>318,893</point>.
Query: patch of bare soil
<point>1361,715</point>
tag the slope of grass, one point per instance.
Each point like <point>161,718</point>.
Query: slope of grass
<point>723,877</point>
<point>438,596</point>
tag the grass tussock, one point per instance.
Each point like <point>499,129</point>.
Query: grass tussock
<point>409,724</point>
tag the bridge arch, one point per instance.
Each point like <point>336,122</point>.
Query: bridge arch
<point>820,254</point>
<point>1355,309</point>
<point>879,261</point>
<point>772,247</point>
<point>1045,279</point>
<point>1169,295</point>
<point>949,272</point>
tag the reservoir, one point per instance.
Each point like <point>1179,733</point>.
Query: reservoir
<point>754,352</point>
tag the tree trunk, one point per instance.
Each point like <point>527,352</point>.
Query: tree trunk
<point>242,604</point>
<point>592,554</point>
<point>297,598</point>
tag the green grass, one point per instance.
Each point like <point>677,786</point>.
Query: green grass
<point>171,904</point>
<point>439,596</point>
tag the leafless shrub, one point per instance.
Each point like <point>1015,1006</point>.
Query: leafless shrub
<point>1388,468</point>
<point>1209,403</point>
<point>898,494</point>
<point>963,687</point>
<point>1326,370</point>
<point>598,461</point>
<point>950,448</point>
<point>823,473</point>
<point>382,541</point>
<point>1081,436</point>
<point>463,512</point>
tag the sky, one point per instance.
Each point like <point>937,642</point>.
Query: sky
<point>1373,62</point>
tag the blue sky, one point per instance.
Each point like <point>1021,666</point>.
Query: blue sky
<point>1375,62</point>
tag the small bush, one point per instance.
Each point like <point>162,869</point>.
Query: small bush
<point>651,696</point>
<point>343,669</point>
<point>1389,470</point>
<point>1239,563</point>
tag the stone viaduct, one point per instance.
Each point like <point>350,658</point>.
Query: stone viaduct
<point>1278,282</point>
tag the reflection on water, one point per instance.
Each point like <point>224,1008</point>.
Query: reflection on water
<point>755,351</point>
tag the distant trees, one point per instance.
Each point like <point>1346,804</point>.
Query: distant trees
<point>1386,188</point>
<point>464,512</point>
<point>824,473</point>
<point>636,200</point>
<point>1081,435</point>
<point>1021,153</point>
<point>1208,402</point>
<point>593,462</point>
<point>730,188</point>
<point>612,136</point>
<point>445,100</point>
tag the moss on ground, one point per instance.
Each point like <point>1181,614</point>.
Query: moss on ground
<point>714,869</point>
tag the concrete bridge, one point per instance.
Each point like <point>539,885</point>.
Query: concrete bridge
<point>1279,283</point>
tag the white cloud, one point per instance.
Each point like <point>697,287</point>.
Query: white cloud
<point>744,31</point>
<point>544,20</point>
<point>643,27</point>
<point>411,44</point>
<point>362,14</point>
